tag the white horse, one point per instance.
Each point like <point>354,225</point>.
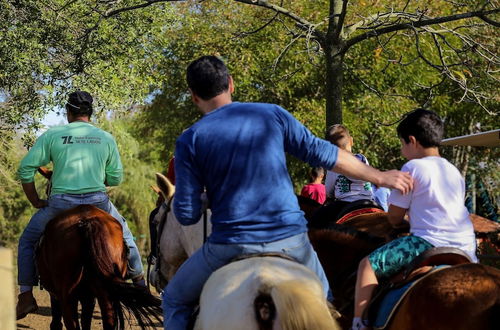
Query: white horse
<point>252,293</point>
<point>264,293</point>
<point>177,242</point>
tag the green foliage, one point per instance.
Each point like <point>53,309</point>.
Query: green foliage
<point>15,209</point>
<point>134,197</point>
<point>48,48</point>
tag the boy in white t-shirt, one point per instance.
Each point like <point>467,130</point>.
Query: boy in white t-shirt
<point>342,190</point>
<point>435,207</point>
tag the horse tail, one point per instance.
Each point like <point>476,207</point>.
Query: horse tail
<point>297,307</point>
<point>137,301</point>
<point>102,265</point>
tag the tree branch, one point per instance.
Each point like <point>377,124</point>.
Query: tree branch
<point>489,21</point>
<point>244,34</point>
<point>301,22</point>
<point>142,5</point>
<point>415,24</point>
<point>350,29</point>
<point>340,24</point>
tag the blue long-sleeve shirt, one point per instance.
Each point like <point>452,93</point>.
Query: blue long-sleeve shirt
<point>238,153</point>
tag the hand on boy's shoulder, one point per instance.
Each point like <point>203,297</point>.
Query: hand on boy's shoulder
<point>395,179</point>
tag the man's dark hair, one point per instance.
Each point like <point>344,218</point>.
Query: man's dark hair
<point>207,77</point>
<point>426,126</point>
<point>80,104</point>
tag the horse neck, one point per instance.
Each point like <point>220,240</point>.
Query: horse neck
<point>340,251</point>
<point>181,239</point>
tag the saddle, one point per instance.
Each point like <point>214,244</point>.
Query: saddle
<point>263,254</point>
<point>355,208</point>
<point>389,294</point>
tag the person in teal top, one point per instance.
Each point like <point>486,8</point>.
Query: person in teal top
<point>85,160</point>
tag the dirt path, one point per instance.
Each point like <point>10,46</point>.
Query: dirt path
<point>41,319</point>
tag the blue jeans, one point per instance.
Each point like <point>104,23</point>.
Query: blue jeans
<point>58,203</point>
<point>183,292</point>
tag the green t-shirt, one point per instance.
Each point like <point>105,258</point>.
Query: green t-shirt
<point>84,158</point>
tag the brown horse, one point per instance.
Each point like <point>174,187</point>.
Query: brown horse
<point>459,297</point>
<point>82,256</point>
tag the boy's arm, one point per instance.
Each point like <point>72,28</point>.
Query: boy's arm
<point>396,215</point>
<point>329,185</point>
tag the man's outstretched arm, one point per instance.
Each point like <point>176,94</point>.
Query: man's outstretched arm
<point>350,166</point>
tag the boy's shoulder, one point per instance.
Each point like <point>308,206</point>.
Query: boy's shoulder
<point>426,160</point>
<point>433,164</point>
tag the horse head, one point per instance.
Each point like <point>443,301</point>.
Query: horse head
<point>45,172</point>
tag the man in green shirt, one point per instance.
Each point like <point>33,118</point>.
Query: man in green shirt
<point>85,159</point>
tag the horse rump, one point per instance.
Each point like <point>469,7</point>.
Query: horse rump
<point>263,293</point>
<point>459,297</point>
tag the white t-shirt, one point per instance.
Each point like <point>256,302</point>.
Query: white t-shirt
<point>436,205</point>
<point>348,189</point>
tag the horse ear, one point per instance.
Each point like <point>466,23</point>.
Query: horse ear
<point>45,172</point>
<point>167,189</point>
<point>156,189</point>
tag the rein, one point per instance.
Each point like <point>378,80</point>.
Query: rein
<point>205,226</point>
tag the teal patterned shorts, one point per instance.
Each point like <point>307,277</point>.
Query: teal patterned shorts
<point>390,259</point>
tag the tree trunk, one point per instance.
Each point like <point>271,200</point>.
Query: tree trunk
<point>334,83</point>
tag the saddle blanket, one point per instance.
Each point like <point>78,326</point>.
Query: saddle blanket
<point>393,298</point>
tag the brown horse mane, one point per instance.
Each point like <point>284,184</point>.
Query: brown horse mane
<point>337,233</point>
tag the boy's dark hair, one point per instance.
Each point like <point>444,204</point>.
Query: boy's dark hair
<point>426,126</point>
<point>339,135</point>
<point>207,77</point>
<point>80,104</point>
<point>316,172</point>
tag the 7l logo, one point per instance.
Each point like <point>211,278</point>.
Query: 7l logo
<point>67,139</point>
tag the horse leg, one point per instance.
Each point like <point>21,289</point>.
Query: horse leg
<point>88,304</point>
<point>109,318</point>
<point>70,313</point>
<point>55,309</point>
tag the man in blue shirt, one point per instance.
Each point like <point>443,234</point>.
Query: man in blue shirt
<point>236,152</point>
